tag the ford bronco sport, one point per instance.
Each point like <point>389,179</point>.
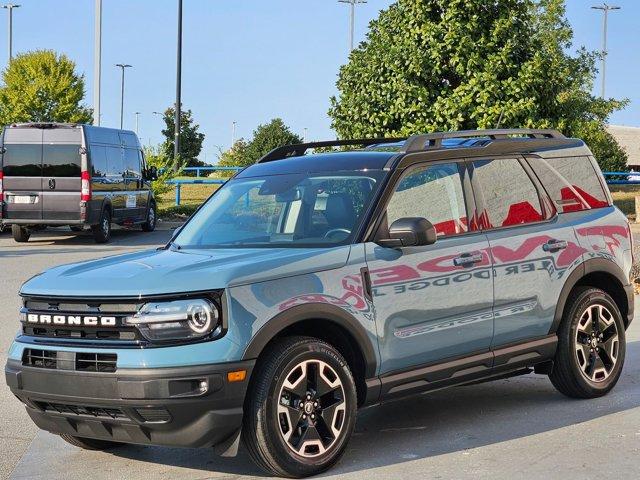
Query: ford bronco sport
<point>309,286</point>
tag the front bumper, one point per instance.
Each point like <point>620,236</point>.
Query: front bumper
<point>143,406</point>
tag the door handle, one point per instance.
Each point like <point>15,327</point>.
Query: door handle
<point>555,245</point>
<point>467,259</point>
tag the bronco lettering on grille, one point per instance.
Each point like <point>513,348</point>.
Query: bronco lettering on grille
<point>71,320</point>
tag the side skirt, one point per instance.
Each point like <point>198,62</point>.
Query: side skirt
<point>496,363</point>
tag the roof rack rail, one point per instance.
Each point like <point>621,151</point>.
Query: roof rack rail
<point>417,143</point>
<point>299,149</point>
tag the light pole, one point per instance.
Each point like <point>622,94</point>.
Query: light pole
<point>176,140</point>
<point>123,66</point>
<point>233,133</point>
<point>605,18</point>
<point>353,4</point>
<point>304,135</point>
<point>97,61</point>
<point>9,7</point>
<point>137,114</point>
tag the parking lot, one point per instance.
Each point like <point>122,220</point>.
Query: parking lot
<point>518,427</point>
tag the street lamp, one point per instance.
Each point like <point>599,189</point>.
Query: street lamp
<point>9,7</point>
<point>137,114</point>
<point>176,140</point>
<point>123,66</point>
<point>97,61</point>
<point>233,133</point>
<point>605,17</point>
<point>353,4</point>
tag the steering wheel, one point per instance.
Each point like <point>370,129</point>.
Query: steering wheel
<point>337,230</point>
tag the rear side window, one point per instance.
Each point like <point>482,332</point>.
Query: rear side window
<point>98,161</point>
<point>572,183</point>
<point>22,160</point>
<point>510,197</point>
<point>60,160</point>
<point>115,163</point>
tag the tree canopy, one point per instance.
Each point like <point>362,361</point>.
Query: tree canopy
<point>433,65</point>
<point>191,138</point>
<point>42,86</point>
<point>265,138</point>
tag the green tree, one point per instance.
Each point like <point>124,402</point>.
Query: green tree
<point>265,138</point>
<point>42,86</point>
<point>191,138</point>
<point>430,65</point>
<point>167,167</point>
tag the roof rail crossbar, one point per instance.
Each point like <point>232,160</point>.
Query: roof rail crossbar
<point>428,141</point>
<point>299,149</point>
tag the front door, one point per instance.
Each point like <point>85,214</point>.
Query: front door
<point>434,302</point>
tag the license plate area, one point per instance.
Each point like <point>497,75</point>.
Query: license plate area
<point>23,199</point>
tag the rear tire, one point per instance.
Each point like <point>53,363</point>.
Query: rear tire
<point>150,224</point>
<point>591,345</point>
<point>300,409</point>
<point>20,234</point>
<point>102,231</point>
<point>89,443</point>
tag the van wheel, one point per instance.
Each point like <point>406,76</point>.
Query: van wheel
<point>102,231</point>
<point>150,224</point>
<point>591,345</point>
<point>20,234</point>
<point>300,410</point>
<point>88,443</point>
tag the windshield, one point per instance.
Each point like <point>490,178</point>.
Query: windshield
<point>293,210</point>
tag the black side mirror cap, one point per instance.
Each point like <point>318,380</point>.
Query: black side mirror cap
<point>410,232</point>
<point>151,173</point>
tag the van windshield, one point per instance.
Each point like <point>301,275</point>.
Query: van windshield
<point>292,210</point>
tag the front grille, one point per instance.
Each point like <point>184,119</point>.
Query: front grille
<point>123,334</point>
<point>82,410</point>
<point>84,362</point>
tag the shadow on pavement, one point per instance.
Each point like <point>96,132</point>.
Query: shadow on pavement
<point>442,422</point>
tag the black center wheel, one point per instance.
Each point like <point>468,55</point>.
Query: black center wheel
<point>300,409</point>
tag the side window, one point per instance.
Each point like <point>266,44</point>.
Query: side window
<point>435,193</point>
<point>572,183</point>
<point>510,197</point>
<point>98,161</point>
<point>132,162</point>
<point>115,164</point>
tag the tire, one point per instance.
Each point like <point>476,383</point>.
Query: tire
<point>150,224</point>
<point>20,234</point>
<point>589,361</point>
<point>76,228</point>
<point>89,443</point>
<point>102,231</point>
<point>268,431</point>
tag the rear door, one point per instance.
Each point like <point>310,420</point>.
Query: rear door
<point>61,168</point>
<point>21,161</point>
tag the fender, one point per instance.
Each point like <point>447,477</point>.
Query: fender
<point>590,266</point>
<point>320,312</point>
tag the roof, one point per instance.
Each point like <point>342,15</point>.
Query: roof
<point>629,140</point>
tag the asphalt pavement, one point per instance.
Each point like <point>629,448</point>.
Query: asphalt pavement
<point>514,428</point>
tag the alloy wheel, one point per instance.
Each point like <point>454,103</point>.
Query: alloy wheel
<point>311,408</point>
<point>597,343</point>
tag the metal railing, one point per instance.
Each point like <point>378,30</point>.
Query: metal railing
<point>622,178</point>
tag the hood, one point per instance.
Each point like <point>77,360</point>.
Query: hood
<point>175,271</point>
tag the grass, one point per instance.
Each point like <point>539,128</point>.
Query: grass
<point>624,198</point>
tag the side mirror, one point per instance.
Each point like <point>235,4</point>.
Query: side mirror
<point>410,232</point>
<point>151,173</point>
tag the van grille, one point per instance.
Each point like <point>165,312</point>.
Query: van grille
<point>84,362</point>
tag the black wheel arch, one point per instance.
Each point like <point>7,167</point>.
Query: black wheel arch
<point>331,324</point>
<point>601,273</point>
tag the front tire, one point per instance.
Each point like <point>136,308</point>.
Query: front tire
<point>88,443</point>
<point>102,231</point>
<point>591,345</point>
<point>300,410</point>
<point>20,234</point>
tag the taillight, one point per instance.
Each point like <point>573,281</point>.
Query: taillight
<point>1,189</point>
<point>85,193</point>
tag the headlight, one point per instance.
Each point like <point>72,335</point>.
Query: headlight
<point>177,320</point>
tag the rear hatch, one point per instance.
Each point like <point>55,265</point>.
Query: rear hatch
<point>41,168</point>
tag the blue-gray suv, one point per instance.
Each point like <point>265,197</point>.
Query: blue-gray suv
<point>311,285</point>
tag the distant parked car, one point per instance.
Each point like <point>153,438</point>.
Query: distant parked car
<point>75,175</point>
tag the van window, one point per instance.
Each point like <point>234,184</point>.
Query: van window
<point>510,197</point>
<point>572,183</point>
<point>60,160</point>
<point>115,163</point>
<point>132,162</point>
<point>434,193</point>
<point>98,161</point>
<point>22,160</point>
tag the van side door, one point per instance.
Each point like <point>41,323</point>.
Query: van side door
<point>532,248</point>
<point>433,303</point>
<point>116,181</point>
<point>136,194</point>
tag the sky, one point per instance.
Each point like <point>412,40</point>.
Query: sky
<point>252,60</point>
